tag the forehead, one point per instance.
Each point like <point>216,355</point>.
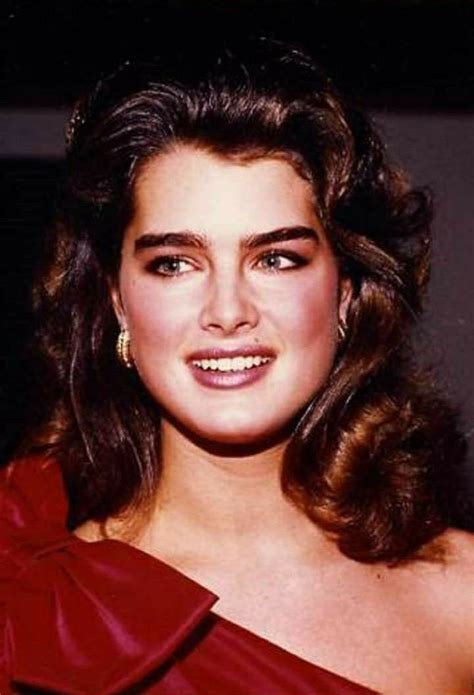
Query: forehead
<point>188,188</point>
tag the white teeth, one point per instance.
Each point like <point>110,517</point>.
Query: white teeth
<point>231,364</point>
<point>239,363</point>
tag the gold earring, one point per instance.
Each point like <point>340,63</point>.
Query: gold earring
<point>123,348</point>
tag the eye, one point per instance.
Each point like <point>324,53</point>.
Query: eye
<point>277,260</point>
<point>169,266</point>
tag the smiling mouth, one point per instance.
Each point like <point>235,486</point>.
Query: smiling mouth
<point>231,372</point>
<point>231,364</point>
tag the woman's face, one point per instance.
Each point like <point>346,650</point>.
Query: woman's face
<point>230,292</point>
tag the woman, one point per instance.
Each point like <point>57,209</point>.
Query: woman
<point>255,474</point>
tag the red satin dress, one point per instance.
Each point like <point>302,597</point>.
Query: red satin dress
<point>81,618</point>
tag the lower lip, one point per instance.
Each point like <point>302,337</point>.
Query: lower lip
<point>230,380</point>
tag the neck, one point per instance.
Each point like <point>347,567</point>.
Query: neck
<point>212,498</point>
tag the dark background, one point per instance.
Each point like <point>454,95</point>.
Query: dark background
<point>410,62</point>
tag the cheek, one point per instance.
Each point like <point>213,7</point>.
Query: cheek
<point>153,322</point>
<point>309,313</point>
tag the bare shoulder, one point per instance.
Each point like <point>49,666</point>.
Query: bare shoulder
<point>448,591</point>
<point>459,585</point>
<point>459,569</point>
<point>460,546</point>
<point>457,573</point>
<point>435,597</point>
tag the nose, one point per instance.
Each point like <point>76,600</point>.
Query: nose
<point>229,306</point>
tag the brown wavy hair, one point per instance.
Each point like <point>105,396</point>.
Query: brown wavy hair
<point>371,456</point>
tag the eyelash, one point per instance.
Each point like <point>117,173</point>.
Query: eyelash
<point>155,265</point>
<point>297,260</point>
<point>158,262</point>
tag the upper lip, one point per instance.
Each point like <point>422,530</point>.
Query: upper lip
<point>245,351</point>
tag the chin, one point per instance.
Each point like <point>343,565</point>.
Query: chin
<point>232,446</point>
<point>232,436</point>
<point>243,439</point>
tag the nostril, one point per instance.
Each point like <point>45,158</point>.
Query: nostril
<point>229,318</point>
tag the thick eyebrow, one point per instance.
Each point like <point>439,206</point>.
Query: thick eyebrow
<point>278,235</point>
<point>152,239</point>
<point>200,241</point>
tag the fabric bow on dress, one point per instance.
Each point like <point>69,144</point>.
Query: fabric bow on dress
<point>81,618</point>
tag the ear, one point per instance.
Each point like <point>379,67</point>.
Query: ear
<point>117,303</point>
<point>345,297</point>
